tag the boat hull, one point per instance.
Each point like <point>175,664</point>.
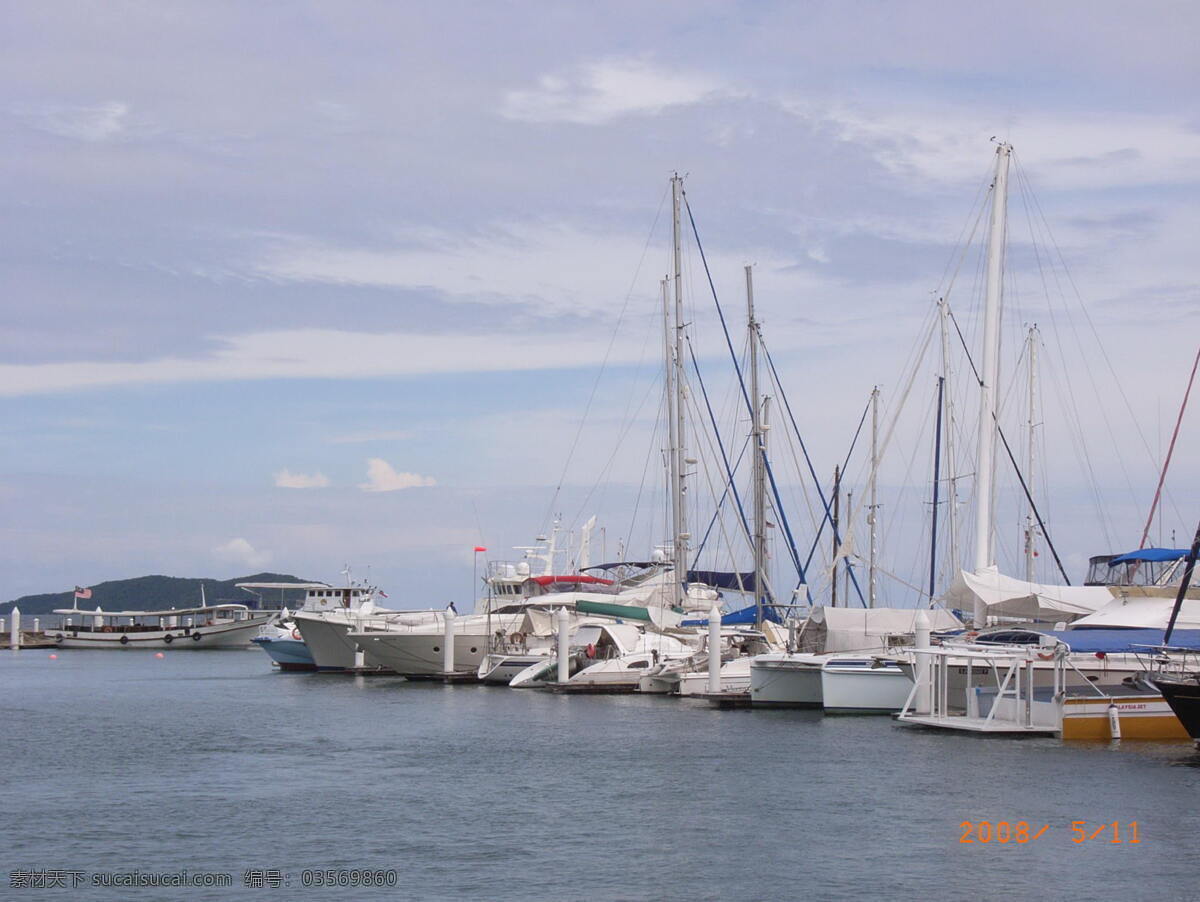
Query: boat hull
<point>290,654</point>
<point>1184,698</point>
<point>328,641</point>
<point>863,686</point>
<point>786,681</point>
<point>234,634</point>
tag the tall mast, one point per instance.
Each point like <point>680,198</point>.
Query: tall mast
<point>672,440</point>
<point>758,438</point>
<point>937,479</point>
<point>872,506</point>
<point>947,412</point>
<point>678,512</point>
<point>837,498</point>
<point>985,461</point>
<point>1030,527</point>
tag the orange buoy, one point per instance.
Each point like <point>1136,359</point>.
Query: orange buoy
<point>158,654</point>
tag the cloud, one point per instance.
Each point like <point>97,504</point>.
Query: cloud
<point>239,551</point>
<point>359,438</point>
<point>382,478</point>
<point>83,123</point>
<point>602,91</point>
<point>286,479</point>
<point>947,144</point>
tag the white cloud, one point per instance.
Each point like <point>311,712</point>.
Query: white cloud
<point>381,477</point>
<point>239,551</point>
<point>84,123</point>
<point>602,91</point>
<point>947,144</point>
<point>359,438</point>
<point>286,479</point>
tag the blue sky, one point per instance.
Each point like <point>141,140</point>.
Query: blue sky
<point>290,286</point>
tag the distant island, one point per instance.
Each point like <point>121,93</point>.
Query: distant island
<point>148,593</point>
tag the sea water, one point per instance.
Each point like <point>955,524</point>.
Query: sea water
<point>213,763</point>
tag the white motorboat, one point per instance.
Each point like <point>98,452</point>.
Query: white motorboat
<point>606,657</point>
<point>207,626</point>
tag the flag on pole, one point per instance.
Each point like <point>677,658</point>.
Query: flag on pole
<point>480,548</point>
<point>81,592</point>
<point>382,594</point>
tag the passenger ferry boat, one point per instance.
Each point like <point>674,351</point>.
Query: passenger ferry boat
<point>207,626</point>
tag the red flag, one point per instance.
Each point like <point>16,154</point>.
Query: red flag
<point>82,593</point>
<point>480,548</point>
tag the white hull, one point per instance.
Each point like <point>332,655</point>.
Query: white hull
<point>735,677</point>
<point>234,634</point>
<point>498,669</point>
<point>786,680</point>
<point>864,686</point>
<point>328,639</point>
<point>420,654</point>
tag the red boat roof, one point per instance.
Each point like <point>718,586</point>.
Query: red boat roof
<point>571,578</point>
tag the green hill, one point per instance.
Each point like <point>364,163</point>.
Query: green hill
<point>148,593</point>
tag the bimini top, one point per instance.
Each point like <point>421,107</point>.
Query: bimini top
<point>1150,554</point>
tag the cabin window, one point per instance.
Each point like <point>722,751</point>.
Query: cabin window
<point>636,664</point>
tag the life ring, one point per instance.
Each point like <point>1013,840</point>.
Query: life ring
<point>124,640</point>
<point>195,637</point>
<point>106,628</point>
<point>296,634</point>
<point>1046,657</point>
<point>591,650</point>
<point>168,638</point>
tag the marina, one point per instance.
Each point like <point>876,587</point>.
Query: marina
<point>719,452</point>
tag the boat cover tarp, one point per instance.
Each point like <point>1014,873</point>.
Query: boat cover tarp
<point>1150,554</point>
<point>860,629</point>
<point>723,579</point>
<point>607,609</point>
<point>1128,640</point>
<point>1012,597</point>
<point>746,615</point>
<point>1143,612</point>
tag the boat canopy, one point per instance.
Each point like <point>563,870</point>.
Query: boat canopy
<point>861,629</point>
<point>570,578</point>
<point>1149,554</point>
<point>723,579</point>
<point>284,586</point>
<point>173,612</point>
<point>1102,641</point>
<point>746,615</point>
<point>1011,597</point>
<point>1144,612</point>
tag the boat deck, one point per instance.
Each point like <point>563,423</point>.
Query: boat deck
<point>974,725</point>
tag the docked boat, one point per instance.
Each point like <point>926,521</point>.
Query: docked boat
<point>1182,694</point>
<point>282,639</point>
<point>853,653</point>
<point>605,657</point>
<point>204,627</point>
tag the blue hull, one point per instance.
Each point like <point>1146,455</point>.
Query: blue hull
<point>289,654</point>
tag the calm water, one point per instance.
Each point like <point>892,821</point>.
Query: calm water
<point>116,762</point>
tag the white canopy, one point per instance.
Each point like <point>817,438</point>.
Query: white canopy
<point>1010,597</point>
<point>859,629</point>
<point>1148,611</point>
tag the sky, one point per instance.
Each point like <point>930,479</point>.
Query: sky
<point>298,286</point>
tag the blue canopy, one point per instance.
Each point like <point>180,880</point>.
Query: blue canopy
<point>1108,641</point>
<point>745,616</point>
<point>1150,554</point>
<point>723,579</point>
